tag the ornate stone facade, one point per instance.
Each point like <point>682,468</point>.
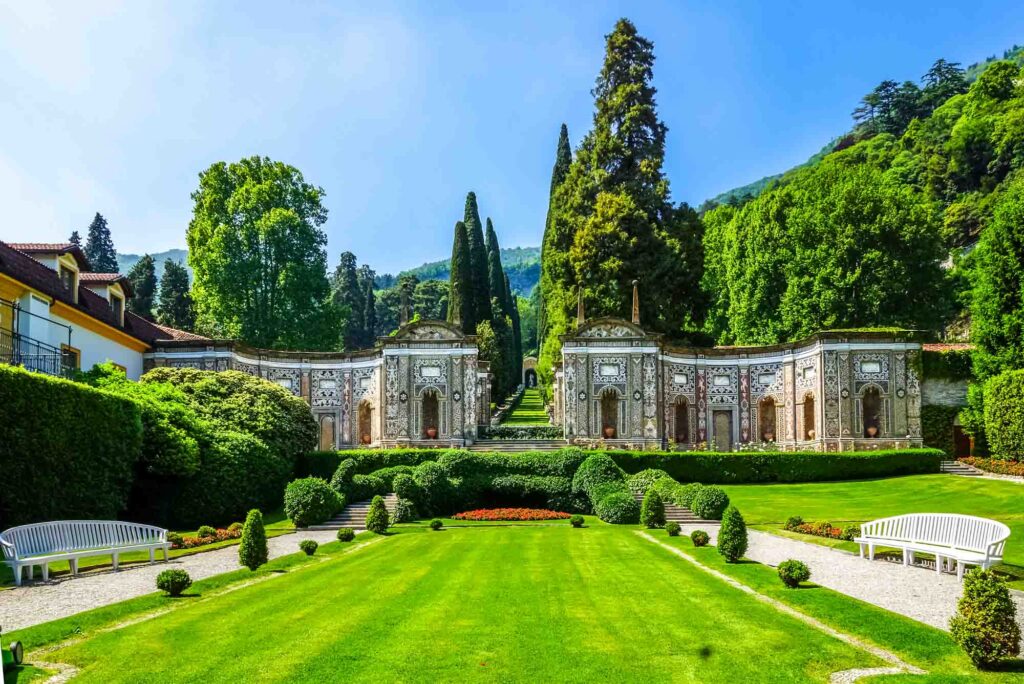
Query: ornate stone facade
<point>424,380</point>
<point>620,384</point>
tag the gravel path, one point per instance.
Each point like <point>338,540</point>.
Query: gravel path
<point>36,602</point>
<point>917,592</point>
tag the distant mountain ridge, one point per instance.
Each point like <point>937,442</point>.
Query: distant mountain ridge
<point>126,261</point>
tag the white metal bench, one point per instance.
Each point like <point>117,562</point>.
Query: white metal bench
<point>965,539</point>
<point>39,544</point>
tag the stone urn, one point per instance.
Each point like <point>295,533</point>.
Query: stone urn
<point>431,433</point>
<point>609,432</point>
<point>810,434</point>
<point>365,439</point>
<point>872,431</point>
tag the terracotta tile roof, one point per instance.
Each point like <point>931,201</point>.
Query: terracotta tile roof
<point>107,279</point>
<point>23,268</point>
<point>175,334</point>
<point>947,346</point>
<point>52,248</point>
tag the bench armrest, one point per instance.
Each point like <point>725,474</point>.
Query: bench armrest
<point>7,550</point>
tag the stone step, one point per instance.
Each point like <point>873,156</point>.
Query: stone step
<point>958,468</point>
<point>354,515</point>
<point>679,514</point>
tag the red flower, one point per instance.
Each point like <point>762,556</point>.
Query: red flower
<point>516,514</point>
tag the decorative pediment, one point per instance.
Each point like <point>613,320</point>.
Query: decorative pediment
<point>429,330</point>
<point>610,327</point>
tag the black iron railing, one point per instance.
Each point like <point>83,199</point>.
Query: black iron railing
<point>21,350</point>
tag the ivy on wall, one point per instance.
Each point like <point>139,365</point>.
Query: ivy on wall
<point>937,427</point>
<point>952,364</point>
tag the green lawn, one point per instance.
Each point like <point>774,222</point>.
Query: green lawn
<point>276,522</point>
<point>530,410</point>
<point>492,604</point>
<point>768,505</point>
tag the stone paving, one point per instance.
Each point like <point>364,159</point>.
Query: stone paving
<point>36,602</point>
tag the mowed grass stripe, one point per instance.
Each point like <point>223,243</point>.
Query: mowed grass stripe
<point>488,604</point>
<point>530,410</point>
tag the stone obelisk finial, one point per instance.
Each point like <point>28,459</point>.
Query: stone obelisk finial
<point>404,315</point>
<point>636,302</point>
<point>579,308</point>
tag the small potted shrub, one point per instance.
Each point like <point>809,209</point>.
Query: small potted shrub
<point>173,581</point>
<point>672,527</point>
<point>346,534</point>
<point>308,546</point>
<point>576,520</point>
<point>793,572</point>
<point>700,538</point>
<point>436,524</point>
<point>206,531</point>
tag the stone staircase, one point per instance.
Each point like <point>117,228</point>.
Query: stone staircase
<point>354,515</point>
<point>958,468</point>
<point>683,516</point>
<point>516,445</point>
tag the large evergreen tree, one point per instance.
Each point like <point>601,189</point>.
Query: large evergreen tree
<point>259,258</point>
<point>495,273</point>
<point>460,294</point>
<point>99,246</point>
<point>516,350</point>
<point>175,308</point>
<point>480,283</point>
<point>369,313</point>
<point>351,299</point>
<point>563,160</point>
<point>612,217</point>
<point>142,278</point>
<point>75,239</point>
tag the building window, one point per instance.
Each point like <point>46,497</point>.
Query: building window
<point>117,306</point>
<point>71,357</point>
<point>69,279</point>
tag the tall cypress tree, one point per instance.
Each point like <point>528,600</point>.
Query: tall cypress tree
<point>516,365</point>
<point>99,247</point>
<point>480,283</point>
<point>142,277</point>
<point>563,160</point>
<point>460,304</point>
<point>175,308</point>
<point>495,273</point>
<point>346,292</point>
<point>369,314</point>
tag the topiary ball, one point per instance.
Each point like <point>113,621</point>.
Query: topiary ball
<point>173,581</point>
<point>700,538</point>
<point>436,524</point>
<point>308,546</point>
<point>346,534</point>
<point>672,527</point>
<point>206,531</point>
<point>576,521</point>
<point>793,572</point>
<point>710,502</point>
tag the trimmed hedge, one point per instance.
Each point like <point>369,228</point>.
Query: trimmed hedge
<point>952,364</point>
<point>1004,415</point>
<point>310,501</point>
<point>325,463</point>
<point>68,450</point>
<point>604,483</point>
<point>780,466</point>
<point>521,432</point>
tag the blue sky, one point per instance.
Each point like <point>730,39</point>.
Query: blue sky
<point>397,109</point>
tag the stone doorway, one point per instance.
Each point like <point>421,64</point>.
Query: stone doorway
<point>530,378</point>
<point>722,422</point>
<point>365,435</point>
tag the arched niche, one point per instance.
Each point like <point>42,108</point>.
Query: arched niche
<point>766,419</point>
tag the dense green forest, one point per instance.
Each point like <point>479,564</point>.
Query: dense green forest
<point>521,264</point>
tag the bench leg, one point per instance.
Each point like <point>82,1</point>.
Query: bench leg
<point>152,556</point>
<point>959,570</point>
<point>116,559</point>
<point>861,550</point>
<point>74,566</point>
<point>18,570</point>
<point>871,552</point>
<point>165,554</point>
<point>940,562</point>
<point>46,572</point>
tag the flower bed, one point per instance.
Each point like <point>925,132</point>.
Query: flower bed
<point>192,541</point>
<point>511,514</point>
<point>823,529</point>
<point>993,465</point>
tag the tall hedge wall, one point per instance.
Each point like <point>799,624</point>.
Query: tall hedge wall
<point>1004,415</point>
<point>68,450</point>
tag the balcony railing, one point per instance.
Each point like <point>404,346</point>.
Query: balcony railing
<point>21,350</point>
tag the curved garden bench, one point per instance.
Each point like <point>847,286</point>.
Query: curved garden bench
<point>966,539</point>
<point>43,543</point>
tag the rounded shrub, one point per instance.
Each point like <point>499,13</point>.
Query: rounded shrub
<point>235,527</point>
<point>308,546</point>
<point>732,536</point>
<point>652,510</point>
<point>793,522</point>
<point>173,581</point>
<point>253,551</point>
<point>175,539</point>
<point>699,538</point>
<point>576,521</point>
<point>1004,415</point>
<point>435,487</point>
<point>686,494</point>
<point>310,501</point>
<point>206,531</point>
<point>618,508</point>
<point>405,487</point>
<point>672,528</point>
<point>377,520</point>
<point>405,511</point>
<point>985,624</point>
<point>346,534</point>
<point>342,476</point>
<point>436,524</point>
<point>640,482</point>
<point>710,502</point>
<point>793,572</point>
<point>850,532</point>
<point>599,469</point>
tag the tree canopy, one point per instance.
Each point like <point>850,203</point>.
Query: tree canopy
<point>142,277</point>
<point>99,246</point>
